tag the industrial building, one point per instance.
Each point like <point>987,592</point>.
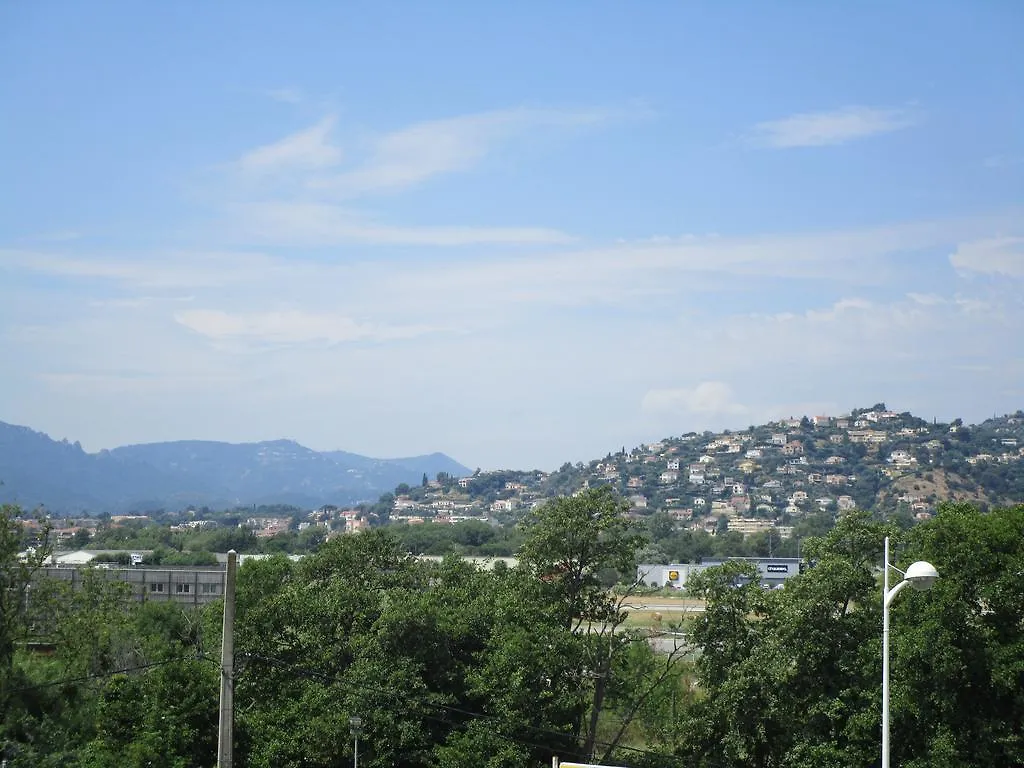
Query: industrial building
<point>773,571</point>
<point>187,585</point>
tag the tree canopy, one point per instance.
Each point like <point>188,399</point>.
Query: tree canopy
<point>450,664</point>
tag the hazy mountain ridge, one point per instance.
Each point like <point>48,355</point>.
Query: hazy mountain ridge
<point>37,470</point>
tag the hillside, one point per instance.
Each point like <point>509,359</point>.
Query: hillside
<point>770,476</point>
<point>36,470</point>
<point>765,477</point>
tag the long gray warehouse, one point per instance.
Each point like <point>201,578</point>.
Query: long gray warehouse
<point>773,571</point>
<point>187,585</point>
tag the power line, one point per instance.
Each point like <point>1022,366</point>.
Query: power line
<point>110,673</point>
<point>356,686</point>
<point>406,701</point>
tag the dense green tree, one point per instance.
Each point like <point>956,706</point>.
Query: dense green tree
<point>958,653</point>
<point>60,707</point>
<point>414,649</point>
<point>16,573</point>
<point>789,674</point>
<point>573,542</point>
<point>659,526</point>
<point>573,545</point>
<point>792,677</point>
<point>449,663</point>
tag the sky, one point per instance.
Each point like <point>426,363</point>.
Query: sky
<point>518,233</point>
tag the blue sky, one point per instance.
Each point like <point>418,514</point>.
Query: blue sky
<point>521,234</point>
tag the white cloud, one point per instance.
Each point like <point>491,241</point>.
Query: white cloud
<point>55,237</point>
<point>292,327</point>
<point>158,270</point>
<point>294,223</point>
<point>818,129</point>
<point>995,256</point>
<point>310,149</point>
<point>486,283</point>
<point>709,398</point>
<point>138,302</point>
<point>928,299</point>
<point>285,192</point>
<point>702,359</point>
<point>412,155</point>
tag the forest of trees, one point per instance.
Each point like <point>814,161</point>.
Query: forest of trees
<point>449,665</point>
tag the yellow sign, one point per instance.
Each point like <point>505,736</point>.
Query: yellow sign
<point>673,575</point>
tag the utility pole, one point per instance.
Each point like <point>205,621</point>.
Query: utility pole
<point>225,731</point>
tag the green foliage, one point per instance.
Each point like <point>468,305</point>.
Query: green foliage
<point>72,706</point>
<point>447,663</point>
<point>450,665</point>
<point>572,540</point>
<point>789,674</point>
<point>164,556</point>
<point>792,677</point>
<point>471,537</point>
<point>416,650</point>
<point>958,656</point>
<point>15,584</point>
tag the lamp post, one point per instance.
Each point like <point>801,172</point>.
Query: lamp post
<point>920,575</point>
<point>355,728</point>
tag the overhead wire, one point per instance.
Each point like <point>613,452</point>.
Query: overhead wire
<point>405,701</point>
<point>108,673</point>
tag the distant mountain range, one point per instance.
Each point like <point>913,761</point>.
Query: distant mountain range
<point>36,470</point>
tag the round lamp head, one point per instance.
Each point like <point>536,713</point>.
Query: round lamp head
<point>921,575</point>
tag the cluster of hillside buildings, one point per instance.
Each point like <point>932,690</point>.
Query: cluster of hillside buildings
<point>748,482</point>
<point>753,481</point>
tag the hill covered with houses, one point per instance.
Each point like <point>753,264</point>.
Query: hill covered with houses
<point>766,477</point>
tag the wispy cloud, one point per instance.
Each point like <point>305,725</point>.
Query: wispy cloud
<point>994,256</point>
<point>818,129</point>
<point>287,192</point>
<point>292,327</point>
<point>708,398</point>
<point>306,150</point>
<point>414,154</point>
<point>621,273</point>
<point>139,302</point>
<point>765,338</point>
<point>321,224</point>
<point>158,270</point>
<point>55,237</point>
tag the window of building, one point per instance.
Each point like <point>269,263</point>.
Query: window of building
<point>209,589</point>
<point>183,589</point>
<point>156,587</point>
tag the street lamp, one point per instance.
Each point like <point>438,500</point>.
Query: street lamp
<point>920,575</point>
<point>355,729</point>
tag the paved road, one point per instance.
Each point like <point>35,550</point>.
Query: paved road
<point>694,606</point>
<point>672,645</point>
